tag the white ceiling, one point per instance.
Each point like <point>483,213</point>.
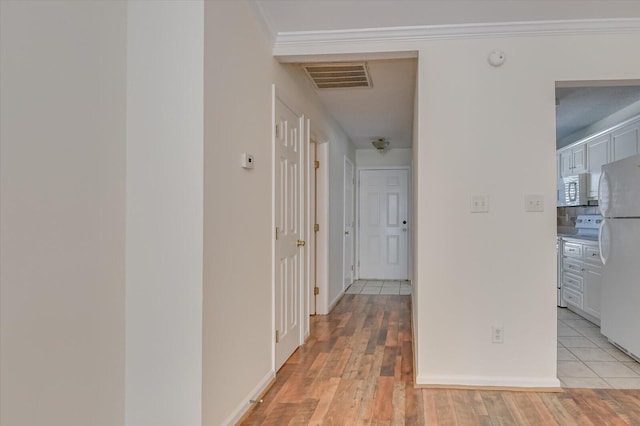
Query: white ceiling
<point>578,107</point>
<point>386,110</point>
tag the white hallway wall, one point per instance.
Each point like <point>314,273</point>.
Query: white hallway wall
<point>94,142</point>
<point>395,157</point>
<point>500,141</point>
<point>62,228</point>
<point>164,254</point>
<point>238,334</point>
<point>64,145</point>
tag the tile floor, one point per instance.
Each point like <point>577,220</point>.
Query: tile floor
<point>401,288</point>
<point>587,360</point>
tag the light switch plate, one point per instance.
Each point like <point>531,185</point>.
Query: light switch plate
<point>533,203</point>
<point>479,204</point>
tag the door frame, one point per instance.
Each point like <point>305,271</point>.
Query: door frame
<point>322,237</point>
<point>317,203</point>
<point>311,143</point>
<point>344,225</point>
<point>409,217</point>
<point>276,94</point>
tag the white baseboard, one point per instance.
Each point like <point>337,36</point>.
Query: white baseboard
<point>245,405</point>
<point>512,382</point>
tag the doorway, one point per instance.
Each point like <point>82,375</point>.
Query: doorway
<point>597,122</point>
<point>362,115</point>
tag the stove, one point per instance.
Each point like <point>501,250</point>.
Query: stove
<point>588,226</point>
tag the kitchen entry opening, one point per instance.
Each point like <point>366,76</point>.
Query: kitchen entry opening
<point>598,228</point>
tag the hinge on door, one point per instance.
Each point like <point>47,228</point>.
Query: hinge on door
<point>316,164</point>
<point>277,131</point>
<point>352,267</point>
<point>277,233</point>
<point>316,290</point>
<point>316,227</point>
<point>277,336</point>
<point>358,263</point>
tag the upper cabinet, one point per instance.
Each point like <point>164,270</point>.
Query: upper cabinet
<point>559,183</point>
<point>573,161</point>
<point>597,155</point>
<point>590,154</point>
<point>624,141</point>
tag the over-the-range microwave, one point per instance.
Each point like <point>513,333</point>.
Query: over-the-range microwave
<point>574,190</point>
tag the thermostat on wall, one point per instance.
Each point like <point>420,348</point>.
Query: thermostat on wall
<point>247,161</point>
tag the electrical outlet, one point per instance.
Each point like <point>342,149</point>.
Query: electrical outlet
<point>479,204</point>
<point>533,203</point>
<point>497,334</point>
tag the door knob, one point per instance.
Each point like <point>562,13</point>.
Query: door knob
<point>300,243</point>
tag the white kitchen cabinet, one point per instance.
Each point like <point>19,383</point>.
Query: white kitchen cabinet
<point>597,155</point>
<point>573,160</point>
<point>591,279</point>
<point>575,282</point>
<point>582,277</point>
<point>572,297</point>
<point>560,196</point>
<point>591,289</point>
<point>572,249</point>
<point>579,159</point>
<point>572,264</point>
<point>566,163</point>
<point>625,140</point>
<point>590,154</point>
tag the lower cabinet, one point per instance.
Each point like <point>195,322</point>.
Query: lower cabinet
<point>592,289</point>
<point>582,278</point>
<point>572,297</point>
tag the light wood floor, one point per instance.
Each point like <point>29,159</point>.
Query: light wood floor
<point>356,369</point>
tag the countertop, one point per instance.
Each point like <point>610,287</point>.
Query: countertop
<point>589,238</point>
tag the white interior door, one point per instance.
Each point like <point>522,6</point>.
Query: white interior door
<point>347,263</point>
<point>288,218</point>
<point>383,224</point>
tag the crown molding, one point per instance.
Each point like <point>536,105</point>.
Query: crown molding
<point>297,42</point>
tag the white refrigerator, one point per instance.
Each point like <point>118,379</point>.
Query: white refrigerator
<point>619,201</point>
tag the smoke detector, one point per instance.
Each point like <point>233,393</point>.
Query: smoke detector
<point>339,75</point>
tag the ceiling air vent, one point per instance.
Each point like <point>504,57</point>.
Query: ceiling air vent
<point>338,75</point>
